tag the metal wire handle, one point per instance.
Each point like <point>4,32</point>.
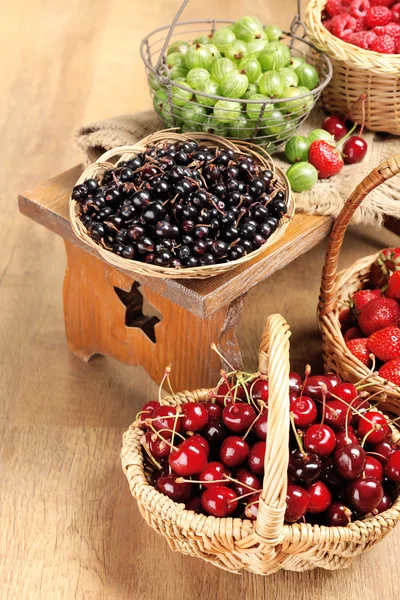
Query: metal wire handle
<point>297,21</point>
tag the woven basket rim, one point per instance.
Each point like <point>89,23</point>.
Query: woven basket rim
<point>201,272</point>
<point>339,50</point>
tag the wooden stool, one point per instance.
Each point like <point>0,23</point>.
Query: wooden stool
<point>104,306</point>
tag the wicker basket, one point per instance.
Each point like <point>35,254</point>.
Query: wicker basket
<point>355,72</point>
<point>112,157</point>
<point>335,289</point>
<point>267,545</point>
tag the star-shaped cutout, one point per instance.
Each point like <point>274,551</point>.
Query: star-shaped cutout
<point>134,317</point>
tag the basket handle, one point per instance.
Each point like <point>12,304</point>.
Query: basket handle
<point>386,170</point>
<point>170,32</point>
<point>274,360</point>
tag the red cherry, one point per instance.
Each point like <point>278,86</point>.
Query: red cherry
<point>295,382</point>
<point>251,509</point>
<point>226,395</point>
<point>338,515</point>
<point>201,441</point>
<point>304,411</point>
<point>195,416</point>
<point>178,492</point>
<point>157,447</point>
<point>293,395</point>
<point>259,390</point>
<point>336,414</point>
<point>365,494</point>
<point>165,418</point>
<point>392,468</point>
<point>330,476</point>
<point>320,439</point>
<point>320,497</point>
<point>304,469</point>
<point>297,501</point>
<point>260,427</point>
<point>214,471</point>
<point>377,424</point>
<point>350,461</point>
<point>234,451</point>
<point>354,149</point>
<point>219,501</point>
<point>148,410</point>
<point>316,386</point>
<point>256,458</point>
<point>373,468</point>
<point>346,391</point>
<point>343,438</point>
<point>214,432</point>
<point>334,379</point>
<point>214,410</point>
<point>384,504</point>
<point>336,126</point>
<point>248,482</point>
<point>383,450</point>
<point>238,417</point>
<point>194,504</point>
<point>188,458</point>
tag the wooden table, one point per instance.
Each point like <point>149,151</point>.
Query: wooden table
<point>103,305</point>
<point>69,527</point>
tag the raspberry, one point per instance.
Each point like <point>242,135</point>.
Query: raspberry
<point>360,26</point>
<point>342,25</point>
<point>383,44</point>
<point>393,29</point>
<point>358,39</point>
<point>359,8</point>
<point>327,24</point>
<point>396,13</point>
<point>387,3</point>
<point>378,15</point>
<point>334,7</point>
<point>398,47</point>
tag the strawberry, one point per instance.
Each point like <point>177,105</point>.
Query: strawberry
<point>358,347</point>
<point>378,15</point>
<point>393,288</point>
<point>391,371</point>
<point>383,44</point>
<point>361,298</point>
<point>342,25</point>
<point>352,333</point>
<point>325,158</point>
<point>346,318</point>
<point>387,262</point>
<point>385,343</point>
<point>378,314</point>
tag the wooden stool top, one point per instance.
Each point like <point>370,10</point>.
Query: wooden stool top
<point>48,205</point>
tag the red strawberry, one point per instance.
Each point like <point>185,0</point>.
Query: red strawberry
<point>359,8</point>
<point>396,12</point>
<point>385,344</point>
<point>391,371</point>
<point>342,25</point>
<point>362,298</point>
<point>325,158</point>
<point>352,333</point>
<point>334,7</point>
<point>384,44</point>
<point>346,318</point>
<point>378,15</point>
<point>358,347</point>
<point>387,262</point>
<point>393,288</point>
<point>378,314</point>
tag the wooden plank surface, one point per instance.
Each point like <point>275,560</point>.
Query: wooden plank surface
<point>69,528</point>
<point>48,205</point>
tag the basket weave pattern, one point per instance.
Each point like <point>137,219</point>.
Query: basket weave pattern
<point>267,545</point>
<point>357,71</point>
<point>110,159</point>
<point>336,288</point>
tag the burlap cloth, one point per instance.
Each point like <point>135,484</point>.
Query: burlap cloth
<point>325,198</point>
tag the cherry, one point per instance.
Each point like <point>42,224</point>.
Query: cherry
<point>214,471</point>
<point>304,411</point>
<point>336,126</point>
<point>330,476</point>
<point>304,469</point>
<point>320,439</point>
<point>219,501</point>
<point>336,414</point>
<point>373,468</point>
<point>260,426</point>
<point>247,482</point>
<point>346,392</point>
<point>343,438</point>
<point>256,458</point>
<point>259,390</point>
<point>165,418</point>
<point>392,468</point>
<point>238,417</point>
<point>354,149</point>
<point>376,424</point>
<point>214,432</point>
<point>297,501</point>
<point>234,451</point>
<point>334,379</point>
<point>148,410</point>
<point>383,450</point>
<point>226,395</point>
<point>365,494</point>
<point>295,382</point>
<point>251,509</point>
<point>384,504</point>
<point>188,458</point>
<point>293,395</point>
<point>320,497</point>
<point>194,504</point>
<point>338,515</point>
<point>195,416</point>
<point>178,492</point>
<point>156,445</point>
<point>201,441</point>
<point>350,461</point>
<point>214,410</point>
<point>317,386</point>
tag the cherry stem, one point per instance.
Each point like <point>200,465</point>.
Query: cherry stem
<point>367,434</point>
<point>307,372</point>
<point>377,454</point>
<point>346,137</point>
<point>165,376</point>
<point>355,410</point>
<point>161,437</point>
<point>151,457</point>
<point>252,399</point>
<point>324,391</point>
<point>173,436</point>
<point>297,436</point>
<point>244,496</point>
<point>253,423</point>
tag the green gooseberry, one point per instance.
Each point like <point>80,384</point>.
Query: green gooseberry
<point>308,75</point>
<point>302,176</point>
<point>320,134</point>
<point>289,77</point>
<point>273,33</point>
<point>296,149</point>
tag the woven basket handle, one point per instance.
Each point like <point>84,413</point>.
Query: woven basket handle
<point>386,170</point>
<point>274,361</point>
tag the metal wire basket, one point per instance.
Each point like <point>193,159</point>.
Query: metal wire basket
<point>272,124</point>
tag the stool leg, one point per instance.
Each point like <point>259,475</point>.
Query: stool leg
<point>103,315</point>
